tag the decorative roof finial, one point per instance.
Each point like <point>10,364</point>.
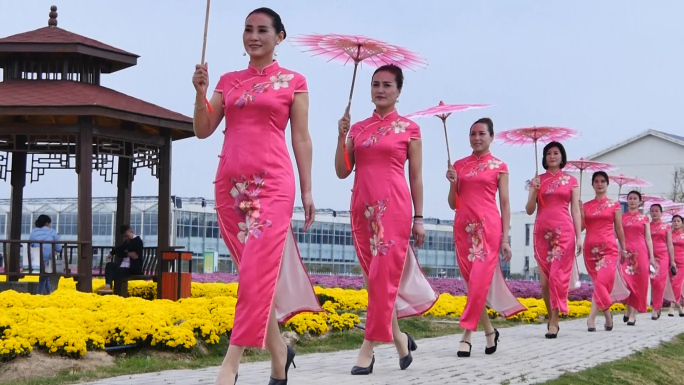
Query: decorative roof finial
<point>52,22</point>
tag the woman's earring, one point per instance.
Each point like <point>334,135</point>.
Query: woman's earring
<point>244,54</point>
<point>397,100</point>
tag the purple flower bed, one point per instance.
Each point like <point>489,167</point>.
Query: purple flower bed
<point>521,289</point>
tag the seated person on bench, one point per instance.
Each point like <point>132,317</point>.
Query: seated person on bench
<point>127,259</point>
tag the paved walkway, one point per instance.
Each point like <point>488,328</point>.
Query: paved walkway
<point>524,356</point>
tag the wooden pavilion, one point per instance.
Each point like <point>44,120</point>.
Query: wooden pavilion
<point>54,114</point>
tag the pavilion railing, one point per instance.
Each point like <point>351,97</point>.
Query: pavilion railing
<point>32,260</point>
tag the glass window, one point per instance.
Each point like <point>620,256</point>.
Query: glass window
<point>68,224</point>
<point>150,221</point>
<point>102,224</point>
<point>136,223</point>
<point>26,224</point>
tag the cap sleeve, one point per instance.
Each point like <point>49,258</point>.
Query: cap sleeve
<point>617,206</point>
<point>300,84</point>
<point>503,168</point>
<point>573,182</point>
<point>414,131</point>
<point>220,86</point>
<point>354,130</point>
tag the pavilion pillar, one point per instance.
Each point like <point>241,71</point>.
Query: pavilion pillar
<point>164,204</point>
<point>84,168</point>
<point>124,183</point>
<point>18,181</point>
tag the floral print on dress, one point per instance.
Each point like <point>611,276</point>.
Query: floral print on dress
<point>248,207</point>
<point>677,236</point>
<point>374,214</point>
<point>660,226</point>
<point>634,219</point>
<point>476,240</point>
<point>562,181</point>
<point>276,82</point>
<point>631,265</point>
<point>608,203</point>
<point>599,253</point>
<point>398,126</point>
<point>555,250</point>
<point>491,164</point>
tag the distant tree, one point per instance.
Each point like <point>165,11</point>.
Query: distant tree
<point>427,270</point>
<point>677,194</point>
<point>357,270</point>
<point>324,269</point>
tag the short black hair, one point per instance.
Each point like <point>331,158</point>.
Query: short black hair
<point>635,192</point>
<point>123,229</point>
<point>394,70</point>
<point>276,21</point>
<point>42,220</point>
<point>600,173</point>
<point>658,206</point>
<point>677,216</point>
<point>487,122</point>
<point>561,149</point>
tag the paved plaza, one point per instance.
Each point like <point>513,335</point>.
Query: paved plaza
<point>524,356</point>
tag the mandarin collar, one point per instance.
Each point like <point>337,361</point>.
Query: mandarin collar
<point>390,115</point>
<point>269,69</point>
<point>485,156</point>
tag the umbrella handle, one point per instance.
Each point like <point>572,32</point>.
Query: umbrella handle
<point>204,51</point>
<point>580,194</point>
<point>457,201</point>
<point>446,138</point>
<point>346,112</point>
<point>536,165</point>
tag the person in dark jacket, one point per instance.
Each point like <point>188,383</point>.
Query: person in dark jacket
<point>126,259</point>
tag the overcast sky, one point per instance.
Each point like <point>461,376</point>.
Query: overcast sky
<point>611,69</point>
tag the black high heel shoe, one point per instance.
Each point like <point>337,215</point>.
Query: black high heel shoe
<point>631,323</point>
<point>553,335</point>
<point>492,349</point>
<point>290,361</point>
<point>406,361</point>
<point>361,371</point>
<point>589,328</point>
<point>463,353</point>
<point>609,328</point>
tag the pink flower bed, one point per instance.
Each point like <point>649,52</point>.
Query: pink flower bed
<point>521,289</point>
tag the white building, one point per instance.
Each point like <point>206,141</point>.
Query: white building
<point>326,247</point>
<point>652,155</point>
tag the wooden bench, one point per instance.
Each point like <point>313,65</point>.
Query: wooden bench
<point>150,273</point>
<point>149,261</point>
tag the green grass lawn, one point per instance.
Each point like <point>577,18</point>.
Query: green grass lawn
<point>661,365</point>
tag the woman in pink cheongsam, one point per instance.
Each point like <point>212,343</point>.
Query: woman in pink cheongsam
<point>557,234</point>
<point>255,191</point>
<point>677,280</point>
<point>603,220</point>
<point>381,217</point>
<point>481,235</point>
<point>663,251</point>
<point>634,265</point>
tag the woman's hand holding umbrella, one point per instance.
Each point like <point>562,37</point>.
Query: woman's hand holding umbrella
<point>343,126</point>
